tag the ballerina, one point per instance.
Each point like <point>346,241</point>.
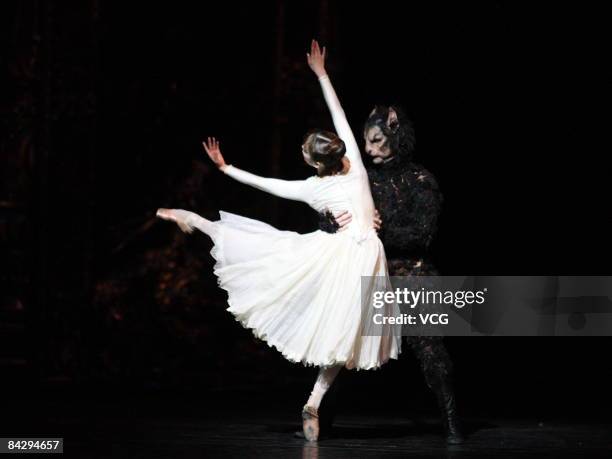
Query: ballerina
<point>301,293</point>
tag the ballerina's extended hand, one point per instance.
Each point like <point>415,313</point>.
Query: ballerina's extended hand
<point>181,217</point>
<point>316,59</point>
<point>214,152</point>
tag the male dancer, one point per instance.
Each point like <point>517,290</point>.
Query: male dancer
<point>409,201</point>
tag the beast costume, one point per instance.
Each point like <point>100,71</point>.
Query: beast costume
<point>409,202</point>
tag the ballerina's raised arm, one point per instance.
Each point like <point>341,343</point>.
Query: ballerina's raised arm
<point>316,61</point>
<point>288,189</point>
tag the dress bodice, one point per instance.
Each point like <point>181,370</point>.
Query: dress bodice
<point>338,193</point>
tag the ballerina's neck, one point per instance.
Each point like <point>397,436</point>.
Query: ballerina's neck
<point>346,167</point>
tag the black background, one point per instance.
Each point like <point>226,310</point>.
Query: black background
<point>104,107</point>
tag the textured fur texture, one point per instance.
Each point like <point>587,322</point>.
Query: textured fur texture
<point>409,201</point>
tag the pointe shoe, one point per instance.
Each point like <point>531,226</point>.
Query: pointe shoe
<point>310,423</point>
<point>169,214</point>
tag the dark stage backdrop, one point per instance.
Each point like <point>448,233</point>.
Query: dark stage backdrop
<point>104,105</point>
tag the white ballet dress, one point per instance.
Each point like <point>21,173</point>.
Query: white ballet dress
<point>303,293</point>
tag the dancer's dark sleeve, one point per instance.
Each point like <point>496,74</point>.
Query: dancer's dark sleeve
<point>416,219</point>
<point>327,222</point>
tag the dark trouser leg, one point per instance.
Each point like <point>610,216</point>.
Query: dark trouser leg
<point>438,371</point>
<point>329,407</point>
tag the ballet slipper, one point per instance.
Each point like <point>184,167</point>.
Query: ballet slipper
<point>310,423</point>
<point>168,214</point>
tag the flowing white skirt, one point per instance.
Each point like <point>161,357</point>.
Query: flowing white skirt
<point>301,293</point>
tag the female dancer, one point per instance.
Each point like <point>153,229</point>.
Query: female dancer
<point>302,293</point>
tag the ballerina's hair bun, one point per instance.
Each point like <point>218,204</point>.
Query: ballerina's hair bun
<point>326,148</point>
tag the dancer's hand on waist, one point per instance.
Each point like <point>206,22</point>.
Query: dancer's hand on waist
<point>343,219</point>
<point>377,220</point>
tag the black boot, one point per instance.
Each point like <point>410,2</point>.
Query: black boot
<point>437,370</point>
<point>450,420</point>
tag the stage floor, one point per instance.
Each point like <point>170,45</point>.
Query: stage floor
<point>165,428</point>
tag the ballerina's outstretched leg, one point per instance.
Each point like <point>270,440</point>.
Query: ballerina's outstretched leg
<point>187,220</point>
